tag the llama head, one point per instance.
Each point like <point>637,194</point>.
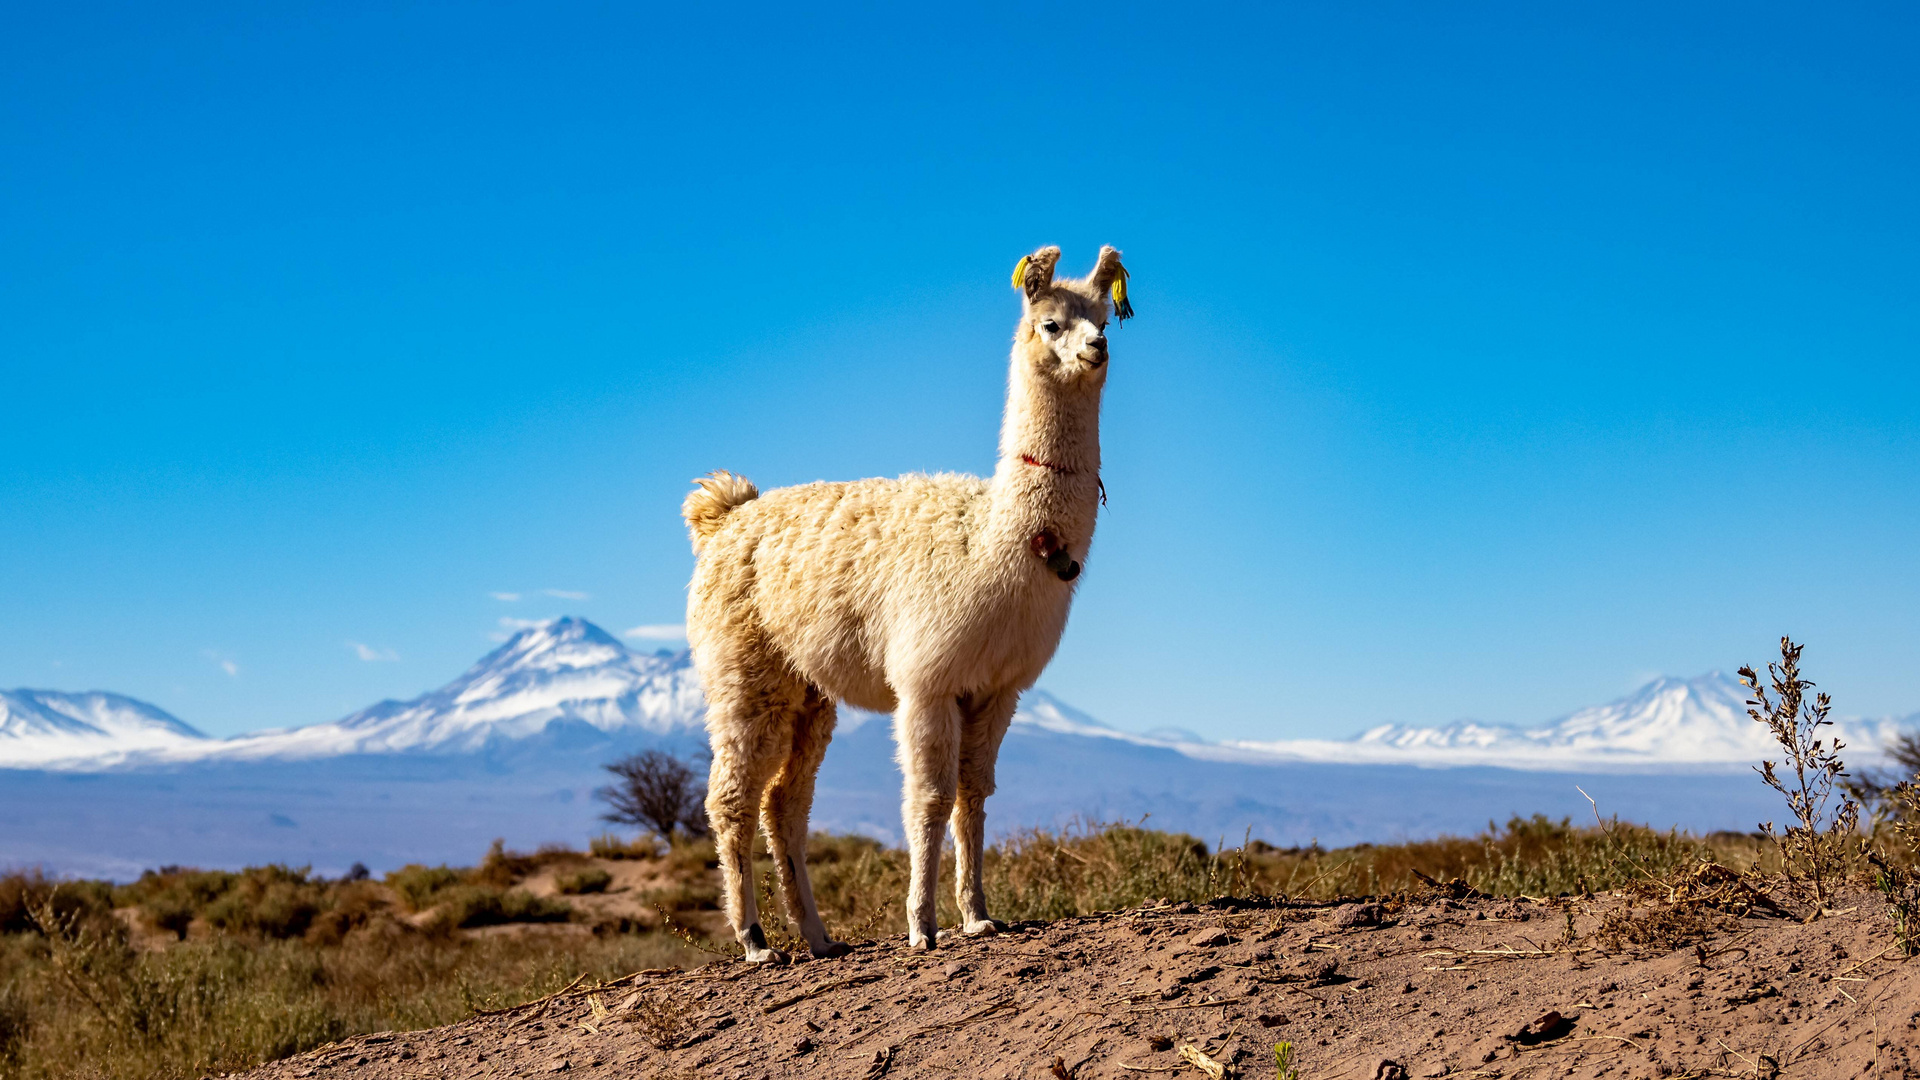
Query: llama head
<point>1063,322</point>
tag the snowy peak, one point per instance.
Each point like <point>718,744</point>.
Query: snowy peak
<point>1703,719</point>
<point>563,644</point>
<point>1668,723</point>
<point>44,726</point>
<point>562,670</point>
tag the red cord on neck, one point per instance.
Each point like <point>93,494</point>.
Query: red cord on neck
<point>1038,464</point>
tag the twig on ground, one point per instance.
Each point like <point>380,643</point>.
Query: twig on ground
<point>535,1002</point>
<point>827,988</point>
<point>1190,1005</point>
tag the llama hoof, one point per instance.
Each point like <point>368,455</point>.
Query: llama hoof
<point>984,926</point>
<point>921,942</point>
<point>772,957</point>
<point>830,950</point>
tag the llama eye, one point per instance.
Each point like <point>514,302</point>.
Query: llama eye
<point>1050,326</point>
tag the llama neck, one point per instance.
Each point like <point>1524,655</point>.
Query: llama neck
<point>1048,476</point>
<point>1056,424</point>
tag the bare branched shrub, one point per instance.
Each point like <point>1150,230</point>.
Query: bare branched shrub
<point>656,791</point>
<point>1815,849</point>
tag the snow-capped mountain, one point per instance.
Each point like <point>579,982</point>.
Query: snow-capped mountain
<point>569,673</point>
<point>1668,723</point>
<point>42,727</point>
<point>565,670</point>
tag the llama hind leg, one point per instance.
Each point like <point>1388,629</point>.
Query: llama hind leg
<point>745,755</point>
<point>928,733</point>
<point>984,724</point>
<point>784,814</point>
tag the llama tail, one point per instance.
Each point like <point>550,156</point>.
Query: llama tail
<point>707,506</point>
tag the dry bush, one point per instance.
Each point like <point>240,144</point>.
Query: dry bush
<point>665,1019</point>
<point>1663,929</point>
<point>1817,851</point>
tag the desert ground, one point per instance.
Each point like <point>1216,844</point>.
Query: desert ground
<point>1369,989</point>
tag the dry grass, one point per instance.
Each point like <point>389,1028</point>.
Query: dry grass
<point>1048,875</point>
<point>80,1001</point>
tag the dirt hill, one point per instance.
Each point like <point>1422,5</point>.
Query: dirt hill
<point>1369,990</point>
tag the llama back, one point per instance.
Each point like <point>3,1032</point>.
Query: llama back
<point>814,573</point>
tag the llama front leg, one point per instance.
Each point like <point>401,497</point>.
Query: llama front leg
<point>928,733</point>
<point>984,726</point>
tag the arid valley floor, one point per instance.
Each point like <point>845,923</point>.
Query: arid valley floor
<point>1472,987</point>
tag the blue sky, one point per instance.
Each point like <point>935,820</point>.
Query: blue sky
<point>1490,360</point>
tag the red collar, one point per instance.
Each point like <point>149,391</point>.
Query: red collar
<point>1038,464</point>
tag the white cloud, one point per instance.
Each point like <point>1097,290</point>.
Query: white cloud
<point>371,654</point>
<point>659,632</point>
<point>511,623</point>
<point>225,662</point>
<point>564,594</point>
<point>508,597</point>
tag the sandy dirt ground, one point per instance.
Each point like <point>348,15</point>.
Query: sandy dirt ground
<point>1362,990</point>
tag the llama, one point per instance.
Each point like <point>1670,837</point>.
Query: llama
<point>936,598</point>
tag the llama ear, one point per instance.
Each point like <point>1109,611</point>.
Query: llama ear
<point>1111,278</point>
<point>1035,272</point>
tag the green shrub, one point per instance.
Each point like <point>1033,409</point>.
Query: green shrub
<point>27,894</point>
<point>502,868</point>
<point>272,901</point>
<point>466,906</point>
<point>420,886</point>
<point>172,897</point>
<point>589,879</point>
<point>609,846</point>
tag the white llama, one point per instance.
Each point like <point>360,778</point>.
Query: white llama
<point>936,598</point>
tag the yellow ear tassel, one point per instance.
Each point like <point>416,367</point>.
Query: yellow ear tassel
<point>1020,272</point>
<point>1122,311</point>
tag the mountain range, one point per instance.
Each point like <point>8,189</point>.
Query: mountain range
<point>570,673</point>
<point>106,784</point>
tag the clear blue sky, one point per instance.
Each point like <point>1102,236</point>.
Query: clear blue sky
<point>1490,360</point>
